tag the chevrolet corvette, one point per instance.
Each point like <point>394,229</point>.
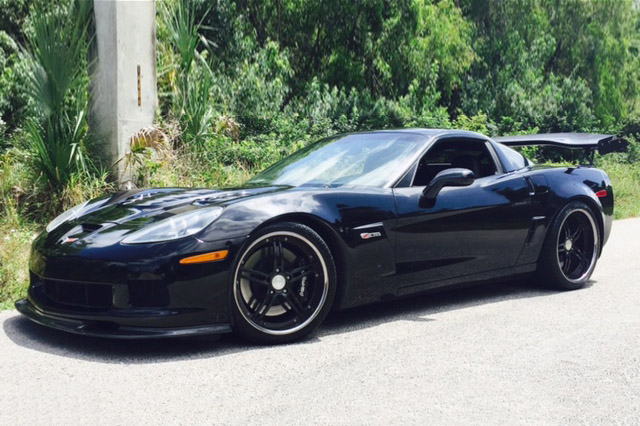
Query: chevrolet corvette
<point>350,220</point>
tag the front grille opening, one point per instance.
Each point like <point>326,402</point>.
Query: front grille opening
<point>148,293</point>
<point>98,296</point>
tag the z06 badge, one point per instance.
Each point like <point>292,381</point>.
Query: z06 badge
<point>367,235</point>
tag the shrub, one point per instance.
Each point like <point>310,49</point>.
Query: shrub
<point>13,77</point>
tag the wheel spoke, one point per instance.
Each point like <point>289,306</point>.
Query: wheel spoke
<point>278,255</point>
<point>281,255</point>
<point>579,255</point>
<point>274,254</point>
<point>263,307</point>
<point>251,303</point>
<point>567,263</point>
<point>577,233</point>
<point>297,274</point>
<point>296,306</point>
<point>254,276</point>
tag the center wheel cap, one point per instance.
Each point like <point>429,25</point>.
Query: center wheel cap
<point>278,282</point>
<point>568,245</point>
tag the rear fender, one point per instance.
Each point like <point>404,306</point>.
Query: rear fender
<point>580,184</point>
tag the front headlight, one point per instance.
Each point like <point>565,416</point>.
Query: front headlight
<point>178,226</point>
<point>70,214</point>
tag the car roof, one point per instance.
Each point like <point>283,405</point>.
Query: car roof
<point>429,133</point>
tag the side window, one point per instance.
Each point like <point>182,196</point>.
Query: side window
<point>510,158</point>
<point>469,154</point>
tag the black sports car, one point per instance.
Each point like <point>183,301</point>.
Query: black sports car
<point>349,220</point>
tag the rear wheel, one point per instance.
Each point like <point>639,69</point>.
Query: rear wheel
<point>571,249</point>
<point>284,283</point>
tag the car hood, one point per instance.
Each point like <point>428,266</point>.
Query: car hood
<point>149,205</point>
<point>110,219</point>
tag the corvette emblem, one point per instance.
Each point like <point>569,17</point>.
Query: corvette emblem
<point>367,235</point>
<point>70,240</point>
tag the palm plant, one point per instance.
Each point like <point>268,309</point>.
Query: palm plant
<point>179,18</point>
<point>144,145</point>
<point>195,109</point>
<point>58,85</point>
<point>56,145</point>
<point>194,79</point>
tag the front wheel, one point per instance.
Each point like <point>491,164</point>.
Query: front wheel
<point>571,249</point>
<point>284,282</point>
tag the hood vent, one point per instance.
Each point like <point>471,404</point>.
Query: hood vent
<point>165,199</point>
<point>88,228</point>
<point>140,196</point>
<point>221,196</point>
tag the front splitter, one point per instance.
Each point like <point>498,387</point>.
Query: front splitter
<point>113,330</point>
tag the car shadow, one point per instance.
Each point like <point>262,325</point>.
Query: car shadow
<point>420,308</point>
<point>417,308</point>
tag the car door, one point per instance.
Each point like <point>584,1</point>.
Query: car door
<point>467,230</point>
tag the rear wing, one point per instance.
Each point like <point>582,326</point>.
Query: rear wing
<point>587,141</point>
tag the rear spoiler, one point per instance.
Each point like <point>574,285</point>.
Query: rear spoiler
<point>588,141</point>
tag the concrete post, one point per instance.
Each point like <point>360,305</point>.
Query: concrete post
<point>123,78</point>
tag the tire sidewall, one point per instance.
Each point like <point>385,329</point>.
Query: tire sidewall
<point>240,324</point>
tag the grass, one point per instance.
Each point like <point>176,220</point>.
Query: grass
<point>625,179</point>
<point>15,243</point>
<point>17,233</point>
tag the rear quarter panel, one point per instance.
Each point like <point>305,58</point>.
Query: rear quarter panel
<point>575,183</point>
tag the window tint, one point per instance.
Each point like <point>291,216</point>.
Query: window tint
<point>452,153</point>
<point>511,159</point>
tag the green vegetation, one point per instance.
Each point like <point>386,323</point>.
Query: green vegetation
<point>15,244</point>
<point>58,85</point>
<point>244,82</point>
<point>624,171</point>
<point>626,188</point>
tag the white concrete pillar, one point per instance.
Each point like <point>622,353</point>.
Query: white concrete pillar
<point>123,78</point>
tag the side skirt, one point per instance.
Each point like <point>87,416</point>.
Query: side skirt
<point>481,276</point>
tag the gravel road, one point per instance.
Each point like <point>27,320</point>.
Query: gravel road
<point>500,354</point>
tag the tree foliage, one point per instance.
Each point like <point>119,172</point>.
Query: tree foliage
<point>243,82</point>
<point>553,65</point>
<point>522,64</point>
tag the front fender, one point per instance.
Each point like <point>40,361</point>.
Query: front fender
<point>366,267</point>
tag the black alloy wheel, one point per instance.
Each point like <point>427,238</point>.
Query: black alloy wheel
<point>571,249</point>
<point>283,284</point>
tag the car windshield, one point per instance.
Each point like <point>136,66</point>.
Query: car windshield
<point>367,159</point>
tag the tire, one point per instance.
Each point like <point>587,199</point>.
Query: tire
<point>284,282</point>
<point>571,249</point>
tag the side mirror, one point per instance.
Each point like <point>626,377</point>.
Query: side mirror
<point>447,177</point>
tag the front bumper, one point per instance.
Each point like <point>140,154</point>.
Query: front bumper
<point>111,329</point>
<point>123,292</point>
